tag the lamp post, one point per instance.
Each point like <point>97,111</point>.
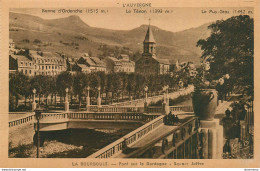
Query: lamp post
<point>167,95</point>
<point>38,113</point>
<point>33,103</point>
<point>146,100</point>
<point>87,99</point>
<point>145,89</point>
<point>99,98</point>
<point>66,100</point>
<point>165,100</point>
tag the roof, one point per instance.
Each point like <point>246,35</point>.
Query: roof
<point>86,55</point>
<point>124,55</point>
<point>149,36</point>
<point>98,61</point>
<point>36,54</point>
<point>20,58</point>
<point>83,66</point>
<point>89,61</point>
<point>163,61</point>
<point>113,59</point>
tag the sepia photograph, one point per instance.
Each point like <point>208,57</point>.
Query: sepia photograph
<point>134,81</point>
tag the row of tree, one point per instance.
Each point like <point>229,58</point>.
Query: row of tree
<point>113,86</point>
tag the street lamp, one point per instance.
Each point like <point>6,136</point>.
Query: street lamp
<point>99,98</point>
<point>146,89</point>
<point>33,103</point>
<point>38,113</point>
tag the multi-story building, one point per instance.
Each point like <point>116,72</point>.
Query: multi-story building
<point>149,63</point>
<point>122,64</point>
<point>47,63</point>
<point>89,64</point>
<point>32,63</point>
<point>22,64</point>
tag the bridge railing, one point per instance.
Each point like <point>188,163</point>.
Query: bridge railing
<point>98,116</point>
<point>181,108</point>
<point>53,116</point>
<point>120,144</point>
<point>155,109</point>
<point>175,94</point>
<point>112,116</point>
<point>20,121</point>
<point>185,133</point>
<point>93,108</point>
<point>121,109</point>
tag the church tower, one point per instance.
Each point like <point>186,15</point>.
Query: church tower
<point>149,43</point>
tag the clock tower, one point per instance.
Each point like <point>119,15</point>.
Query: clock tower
<point>149,43</point>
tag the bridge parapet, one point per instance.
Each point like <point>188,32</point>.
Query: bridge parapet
<point>181,108</point>
<point>47,117</point>
<point>138,144</point>
<point>17,122</point>
<point>119,145</point>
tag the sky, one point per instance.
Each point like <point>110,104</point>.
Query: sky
<point>116,18</point>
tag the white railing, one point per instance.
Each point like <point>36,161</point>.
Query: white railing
<point>181,108</point>
<point>118,146</point>
<point>184,131</point>
<point>155,109</point>
<point>20,121</point>
<point>121,109</point>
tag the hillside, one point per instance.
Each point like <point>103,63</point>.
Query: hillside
<point>73,36</point>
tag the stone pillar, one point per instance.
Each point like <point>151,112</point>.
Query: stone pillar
<point>99,98</point>
<point>212,139</point>
<point>146,100</point>
<point>87,99</point>
<point>34,103</point>
<point>166,108</point>
<point>167,96</point>
<point>67,104</point>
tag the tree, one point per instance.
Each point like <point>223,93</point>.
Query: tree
<point>230,50</point>
<point>18,85</point>
<point>64,80</point>
<point>42,84</point>
<point>79,85</point>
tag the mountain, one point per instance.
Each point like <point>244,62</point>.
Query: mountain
<point>73,36</point>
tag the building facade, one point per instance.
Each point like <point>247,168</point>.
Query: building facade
<point>31,63</point>
<point>120,64</point>
<point>89,64</point>
<point>149,63</point>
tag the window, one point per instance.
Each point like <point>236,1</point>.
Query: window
<point>30,71</point>
<point>25,71</point>
<point>46,67</point>
<point>42,67</point>
<point>52,67</point>
<point>22,63</point>
<point>49,67</point>
<point>25,63</point>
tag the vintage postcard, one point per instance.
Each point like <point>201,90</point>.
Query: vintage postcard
<point>129,84</point>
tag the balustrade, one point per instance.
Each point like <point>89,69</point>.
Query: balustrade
<point>21,121</point>
<point>119,145</point>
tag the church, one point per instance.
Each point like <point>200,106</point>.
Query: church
<point>149,63</point>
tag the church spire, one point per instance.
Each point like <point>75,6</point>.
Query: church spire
<point>149,35</point>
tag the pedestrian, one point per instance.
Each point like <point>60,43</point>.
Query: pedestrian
<point>170,118</point>
<point>177,119</point>
<point>227,112</point>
